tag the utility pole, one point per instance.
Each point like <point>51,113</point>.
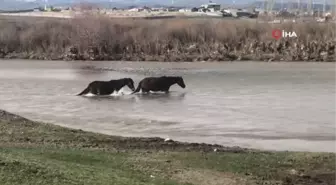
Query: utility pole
<point>45,4</point>
<point>300,7</point>
<point>268,5</point>
<point>309,6</point>
<point>271,5</point>
<point>324,7</point>
<point>334,7</point>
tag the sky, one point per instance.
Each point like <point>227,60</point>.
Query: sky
<point>10,4</point>
<point>168,1</point>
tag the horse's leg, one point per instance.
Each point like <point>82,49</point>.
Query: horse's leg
<point>109,92</point>
<point>117,91</point>
<point>102,92</point>
<point>106,90</point>
<point>94,91</point>
<point>166,90</point>
<point>145,90</point>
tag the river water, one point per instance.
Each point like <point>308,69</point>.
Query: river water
<point>273,106</point>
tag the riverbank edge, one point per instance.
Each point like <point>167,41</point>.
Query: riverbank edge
<point>120,142</point>
<point>39,152</point>
<point>148,143</point>
<point>176,59</point>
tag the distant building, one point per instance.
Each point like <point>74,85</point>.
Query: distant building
<point>212,7</point>
<point>141,9</point>
<point>135,10</point>
<point>184,10</point>
<point>194,9</point>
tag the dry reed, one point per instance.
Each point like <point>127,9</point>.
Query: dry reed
<point>100,38</point>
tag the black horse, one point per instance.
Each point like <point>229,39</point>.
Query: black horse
<point>107,87</point>
<point>159,84</point>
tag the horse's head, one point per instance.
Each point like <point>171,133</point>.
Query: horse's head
<point>180,82</point>
<point>130,83</point>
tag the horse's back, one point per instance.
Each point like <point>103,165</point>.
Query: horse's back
<point>154,83</point>
<point>98,84</point>
<point>153,79</point>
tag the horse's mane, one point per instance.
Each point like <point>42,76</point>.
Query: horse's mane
<point>172,77</point>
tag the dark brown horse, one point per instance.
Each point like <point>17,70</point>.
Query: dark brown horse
<point>107,87</point>
<point>159,84</point>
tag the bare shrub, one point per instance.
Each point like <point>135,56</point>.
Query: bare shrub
<point>97,37</point>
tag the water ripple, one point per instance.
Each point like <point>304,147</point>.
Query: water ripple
<point>267,106</point>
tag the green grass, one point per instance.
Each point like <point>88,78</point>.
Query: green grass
<point>70,166</point>
<point>37,153</point>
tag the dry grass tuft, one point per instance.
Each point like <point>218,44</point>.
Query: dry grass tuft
<point>90,37</point>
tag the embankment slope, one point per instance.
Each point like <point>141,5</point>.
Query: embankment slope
<point>40,153</point>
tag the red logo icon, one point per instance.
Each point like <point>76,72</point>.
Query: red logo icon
<point>276,34</point>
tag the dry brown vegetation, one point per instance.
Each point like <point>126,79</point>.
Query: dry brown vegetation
<point>101,38</point>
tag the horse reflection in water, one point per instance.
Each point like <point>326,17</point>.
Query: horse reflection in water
<point>161,96</point>
<point>173,96</point>
<point>111,98</point>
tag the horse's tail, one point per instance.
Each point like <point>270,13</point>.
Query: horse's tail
<point>85,91</point>
<point>137,89</point>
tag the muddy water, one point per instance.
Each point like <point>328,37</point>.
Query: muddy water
<point>276,106</point>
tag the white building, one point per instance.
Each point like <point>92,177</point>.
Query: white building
<point>212,7</point>
<point>184,10</point>
<point>136,10</point>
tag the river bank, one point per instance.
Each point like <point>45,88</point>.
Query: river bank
<point>39,153</point>
<point>103,38</point>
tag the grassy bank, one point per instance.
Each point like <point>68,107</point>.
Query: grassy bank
<point>39,153</point>
<point>102,38</point>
